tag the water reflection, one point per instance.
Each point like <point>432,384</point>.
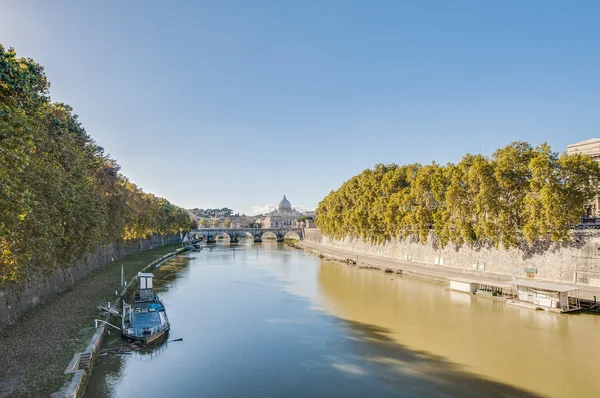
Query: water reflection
<point>458,298</point>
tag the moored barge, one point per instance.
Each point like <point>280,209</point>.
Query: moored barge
<point>145,320</point>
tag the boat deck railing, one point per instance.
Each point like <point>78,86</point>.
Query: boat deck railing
<point>142,331</point>
<point>145,332</point>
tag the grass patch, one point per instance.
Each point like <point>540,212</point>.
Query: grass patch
<point>37,349</point>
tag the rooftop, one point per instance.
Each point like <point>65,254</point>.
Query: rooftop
<point>590,141</point>
<point>553,287</point>
<point>482,282</point>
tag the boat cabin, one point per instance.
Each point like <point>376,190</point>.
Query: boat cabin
<point>547,296</point>
<point>146,319</point>
<point>146,291</point>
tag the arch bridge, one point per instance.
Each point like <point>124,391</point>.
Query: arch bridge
<point>235,234</point>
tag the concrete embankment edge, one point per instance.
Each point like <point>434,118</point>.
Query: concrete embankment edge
<point>368,262</point>
<point>76,387</point>
<point>506,265</point>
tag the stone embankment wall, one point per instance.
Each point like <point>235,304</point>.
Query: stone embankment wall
<point>17,299</point>
<point>577,261</point>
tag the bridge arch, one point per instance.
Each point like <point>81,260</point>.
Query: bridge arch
<point>223,236</point>
<point>197,236</point>
<point>245,235</point>
<point>292,235</point>
<point>269,235</point>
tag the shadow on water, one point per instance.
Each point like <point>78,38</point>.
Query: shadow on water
<point>418,373</point>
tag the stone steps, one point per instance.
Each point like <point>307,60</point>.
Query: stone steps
<point>85,360</point>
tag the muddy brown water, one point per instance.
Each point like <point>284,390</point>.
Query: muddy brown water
<point>264,320</point>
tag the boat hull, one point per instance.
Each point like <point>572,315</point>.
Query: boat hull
<point>146,340</point>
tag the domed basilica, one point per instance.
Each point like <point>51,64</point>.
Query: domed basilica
<point>283,217</point>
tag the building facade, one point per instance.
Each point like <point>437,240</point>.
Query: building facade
<point>284,216</point>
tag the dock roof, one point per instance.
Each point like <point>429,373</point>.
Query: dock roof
<point>554,287</point>
<point>481,282</point>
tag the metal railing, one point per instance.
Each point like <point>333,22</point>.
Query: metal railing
<point>147,332</point>
<point>588,223</point>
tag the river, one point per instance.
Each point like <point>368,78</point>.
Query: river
<point>265,320</point>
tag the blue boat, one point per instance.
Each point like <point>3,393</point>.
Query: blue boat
<point>145,320</point>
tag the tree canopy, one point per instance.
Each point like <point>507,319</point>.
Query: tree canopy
<point>61,196</point>
<point>520,195</point>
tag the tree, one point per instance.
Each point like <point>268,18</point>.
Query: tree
<point>512,173</point>
<point>58,187</point>
<point>227,222</point>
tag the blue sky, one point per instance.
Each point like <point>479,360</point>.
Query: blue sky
<point>235,103</point>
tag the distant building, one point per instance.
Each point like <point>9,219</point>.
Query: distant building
<point>283,217</point>
<point>309,214</point>
<point>242,221</point>
<point>589,147</point>
<point>308,218</point>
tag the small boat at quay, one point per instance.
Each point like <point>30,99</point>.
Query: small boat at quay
<point>146,319</point>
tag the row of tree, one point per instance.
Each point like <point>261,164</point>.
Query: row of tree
<point>214,222</point>
<point>210,213</point>
<point>61,197</point>
<point>519,195</point>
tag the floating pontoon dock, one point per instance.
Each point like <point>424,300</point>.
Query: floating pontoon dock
<point>546,296</point>
<point>482,287</point>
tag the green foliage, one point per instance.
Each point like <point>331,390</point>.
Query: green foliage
<point>224,212</point>
<point>60,196</point>
<point>520,194</point>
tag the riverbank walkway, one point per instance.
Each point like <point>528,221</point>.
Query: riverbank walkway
<point>437,272</point>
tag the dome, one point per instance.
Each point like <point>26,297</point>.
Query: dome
<point>284,206</point>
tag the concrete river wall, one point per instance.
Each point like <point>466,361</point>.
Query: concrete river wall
<point>577,261</point>
<point>16,299</point>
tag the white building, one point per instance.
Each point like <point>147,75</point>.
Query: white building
<point>283,217</point>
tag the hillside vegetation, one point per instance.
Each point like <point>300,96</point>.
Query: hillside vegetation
<point>518,196</point>
<point>61,196</point>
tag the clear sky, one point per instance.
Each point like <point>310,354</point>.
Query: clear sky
<point>235,103</point>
